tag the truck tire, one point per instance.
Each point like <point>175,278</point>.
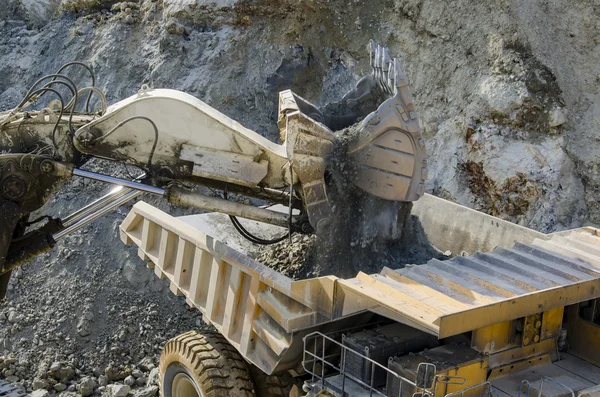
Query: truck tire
<point>276,385</point>
<point>203,364</point>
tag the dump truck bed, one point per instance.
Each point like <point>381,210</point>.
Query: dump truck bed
<point>265,314</point>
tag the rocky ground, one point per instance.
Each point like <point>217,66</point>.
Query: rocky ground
<point>89,317</point>
<point>508,98</point>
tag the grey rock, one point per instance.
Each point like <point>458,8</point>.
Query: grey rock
<point>136,373</point>
<point>83,328</point>
<point>39,384</point>
<point>141,381</point>
<point>147,364</point>
<point>153,378</point>
<point>87,386</point>
<point>118,390</point>
<point>103,380</point>
<point>129,381</point>
<point>147,392</point>
<point>40,393</point>
<point>14,317</point>
<point>61,370</point>
<point>60,387</point>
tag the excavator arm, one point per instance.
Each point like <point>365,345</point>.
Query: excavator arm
<point>180,141</point>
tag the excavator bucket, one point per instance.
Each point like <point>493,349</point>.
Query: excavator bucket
<point>378,122</point>
<point>389,152</point>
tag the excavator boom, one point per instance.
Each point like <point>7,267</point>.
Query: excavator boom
<point>177,139</point>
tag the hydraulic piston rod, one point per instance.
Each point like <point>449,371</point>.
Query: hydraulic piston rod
<point>118,181</point>
<point>176,195</point>
<point>114,194</point>
<point>95,215</point>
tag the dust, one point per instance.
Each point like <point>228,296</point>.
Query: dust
<point>364,233</point>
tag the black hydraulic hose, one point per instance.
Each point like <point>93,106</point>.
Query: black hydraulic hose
<point>59,116</point>
<point>122,123</point>
<point>249,236</point>
<point>252,238</point>
<point>75,97</point>
<point>29,94</point>
<point>89,69</point>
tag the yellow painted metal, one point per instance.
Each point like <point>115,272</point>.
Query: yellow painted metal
<point>583,336</point>
<point>494,338</point>
<point>532,329</point>
<point>473,372</point>
<point>524,305</point>
<point>593,391</point>
<point>521,353</point>
<point>254,307</point>
<point>447,298</point>
<point>262,313</point>
<point>552,322</point>
<point>519,366</point>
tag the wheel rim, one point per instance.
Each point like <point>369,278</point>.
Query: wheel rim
<point>184,386</point>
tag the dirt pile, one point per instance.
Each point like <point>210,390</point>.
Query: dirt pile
<point>294,258</point>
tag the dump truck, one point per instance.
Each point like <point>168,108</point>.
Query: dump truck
<point>510,310</point>
<point>513,312</point>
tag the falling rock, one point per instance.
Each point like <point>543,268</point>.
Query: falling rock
<point>136,373</point>
<point>60,387</point>
<point>14,317</point>
<point>103,380</point>
<point>40,384</point>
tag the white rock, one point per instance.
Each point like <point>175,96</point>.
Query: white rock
<point>153,377</point>
<point>118,390</point>
<point>502,96</point>
<point>556,117</point>
<point>40,393</point>
<point>87,386</point>
<point>151,391</point>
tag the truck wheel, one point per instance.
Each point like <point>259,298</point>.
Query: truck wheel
<point>203,365</point>
<point>276,385</point>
